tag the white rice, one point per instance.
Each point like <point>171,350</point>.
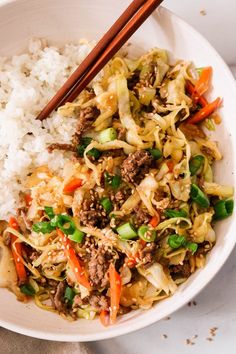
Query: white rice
<point>27,82</point>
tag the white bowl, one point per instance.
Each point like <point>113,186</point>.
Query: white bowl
<point>61,21</point>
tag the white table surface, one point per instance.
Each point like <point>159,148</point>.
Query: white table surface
<point>215,305</point>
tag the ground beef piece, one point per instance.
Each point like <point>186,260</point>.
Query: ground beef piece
<point>64,147</point>
<point>99,302</point>
<point>98,266</point>
<point>92,213</point>
<point>58,298</point>
<point>135,166</point>
<point>192,131</point>
<point>181,270</point>
<point>147,254</point>
<point>118,198</point>
<point>141,216</point>
<point>77,302</point>
<point>114,153</point>
<point>86,118</point>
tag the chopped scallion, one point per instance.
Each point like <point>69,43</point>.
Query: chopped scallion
<point>66,224</point>
<point>195,164</point>
<point>49,211</point>
<point>175,241</point>
<point>77,236</point>
<point>191,246</point>
<point>106,204</point>
<point>107,135</point>
<point>127,231</point>
<point>27,289</point>
<point>223,209</point>
<point>69,295</point>
<point>199,197</point>
<point>156,153</point>
<point>43,226</point>
<point>171,213</point>
<point>146,234</point>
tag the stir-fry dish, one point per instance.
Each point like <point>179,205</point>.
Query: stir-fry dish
<point>132,214</point>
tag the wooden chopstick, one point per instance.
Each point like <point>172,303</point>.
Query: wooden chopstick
<point>112,41</point>
<point>91,58</point>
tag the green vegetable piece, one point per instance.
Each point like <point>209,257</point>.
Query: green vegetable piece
<point>171,213</point>
<point>106,204</point>
<point>127,231</point>
<point>84,143</point>
<point>199,197</point>
<point>116,181</point>
<point>66,224</point>
<point>175,241</point>
<point>195,164</point>
<point>191,246</point>
<point>146,234</point>
<point>77,236</point>
<point>94,153</point>
<point>43,226</point>
<point>54,221</point>
<point>49,211</point>
<point>27,289</point>
<point>113,181</point>
<point>223,209</point>
<point>107,135</point>
<point>69,295</point>
<point>156,153</point>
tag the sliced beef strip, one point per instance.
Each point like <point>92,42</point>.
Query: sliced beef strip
<point>98,265</point>
<point>63,147</point>
<point>86,118</point>
<point>181,270</point>
<point>58,298</point>
<point>135,166</point>
<point>147,254</point>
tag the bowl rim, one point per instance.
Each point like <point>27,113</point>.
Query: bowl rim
<point>186,296</point>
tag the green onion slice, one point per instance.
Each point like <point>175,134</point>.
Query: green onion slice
<point>191,246</point>
<point>107,135</point>
<point>27,289</point>
<point>69,295</point>
<point>106,204</point>
<point>49,211</point>
<point>127,231</point>
<point>199,197</point>
<point>146,234</point>
<point>195,164</point>
<point>113,181</point>
<point>171,213</point>
<point>77,236</point>
<point>156,153</point>
<point>43,226</point>
<point>175,241</point>
<point>223,209</point>
<point>66,224</point>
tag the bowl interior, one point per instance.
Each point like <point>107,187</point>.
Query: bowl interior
<point>61,22</point>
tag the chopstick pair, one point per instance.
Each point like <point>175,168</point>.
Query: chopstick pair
<point>131,19</point>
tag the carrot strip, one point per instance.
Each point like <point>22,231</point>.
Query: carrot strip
<point>155,220</point>
<point>16,248</point>
<point>73,185</point>
<point>205,112</point>
<point>115,286</point>
<point>73,261</point>
<point>203,83</point>
<point>28,200</point>
<point>191,90</point>
<point>104,318</point>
